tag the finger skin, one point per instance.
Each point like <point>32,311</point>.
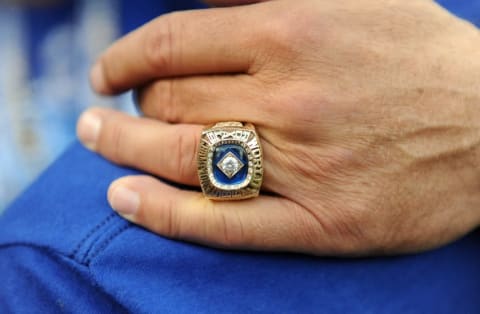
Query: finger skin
<point>224,3</point>
<point>165,150</point>
<point>177,44</point>
<point>263,223</point>
<point>204,100</point>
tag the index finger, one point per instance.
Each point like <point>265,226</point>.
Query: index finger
<point>208,41</point>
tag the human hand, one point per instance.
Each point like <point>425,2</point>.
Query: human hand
<point>367,111</point>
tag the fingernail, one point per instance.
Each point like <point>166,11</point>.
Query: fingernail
<point>124,201</point>
<point>97,79</point>
<point>89,126</point>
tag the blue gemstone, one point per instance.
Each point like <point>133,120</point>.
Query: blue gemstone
<point>240,153</point>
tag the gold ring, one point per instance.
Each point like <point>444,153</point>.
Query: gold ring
<point>230,161</point>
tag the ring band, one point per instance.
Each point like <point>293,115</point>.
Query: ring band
<point>230,161</point>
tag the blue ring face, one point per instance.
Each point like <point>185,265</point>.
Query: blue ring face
<point>230,164</point>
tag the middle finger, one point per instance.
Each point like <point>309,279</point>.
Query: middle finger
<point>204,99</point>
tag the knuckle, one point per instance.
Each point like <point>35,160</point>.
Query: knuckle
<point>230,230</point>
<point>187,146</point>
<point>171,227</point>
<point>299,104</point>
<point>285,29</point>
<point>158,44</point>
<point>112,142</point>
<point>273,41</point>
<point>165,101</point>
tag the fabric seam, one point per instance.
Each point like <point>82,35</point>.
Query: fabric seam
<point>105,244</point>
<point>90,234</point>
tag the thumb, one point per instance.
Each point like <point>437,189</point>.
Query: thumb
<point>263,223</point>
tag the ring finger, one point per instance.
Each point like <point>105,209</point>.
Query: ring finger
<point>203,99</point>
<point>166,150</point>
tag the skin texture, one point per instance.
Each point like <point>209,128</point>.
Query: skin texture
<point>368,113</point>
<point>224,3</point>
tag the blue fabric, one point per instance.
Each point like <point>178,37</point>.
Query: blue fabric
<point>466,9</point>
<point>63,249</point>
<point>46,50</point>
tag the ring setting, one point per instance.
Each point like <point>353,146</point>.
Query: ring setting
<point>230,161</point>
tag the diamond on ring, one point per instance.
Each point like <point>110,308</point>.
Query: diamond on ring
<point>230,165</point>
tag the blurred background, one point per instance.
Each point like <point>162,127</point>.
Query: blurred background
<point>46,49</point>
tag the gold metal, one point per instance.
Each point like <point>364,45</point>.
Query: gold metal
<point>233,133</point>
